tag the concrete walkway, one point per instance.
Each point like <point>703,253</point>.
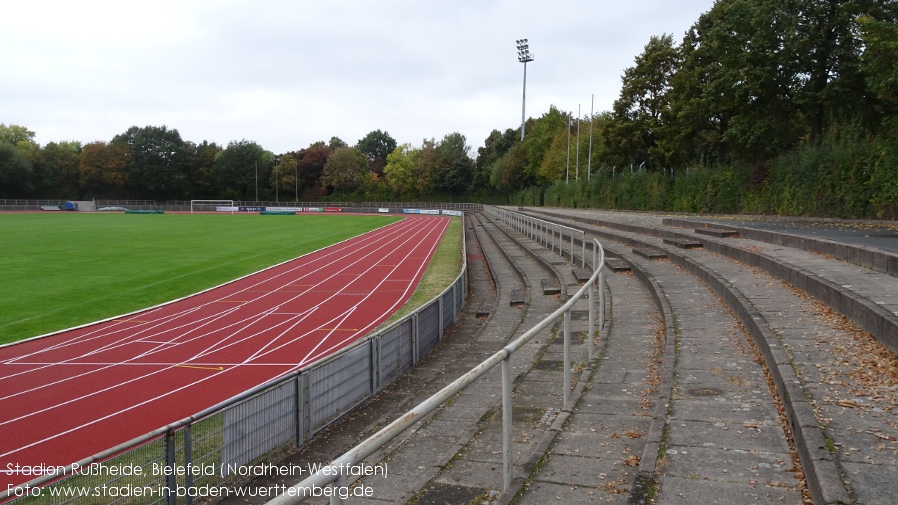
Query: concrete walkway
<point>841,394</point>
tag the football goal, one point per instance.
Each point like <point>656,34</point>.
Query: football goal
<point>212,206</point>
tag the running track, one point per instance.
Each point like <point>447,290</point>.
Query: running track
<point>71,395</point>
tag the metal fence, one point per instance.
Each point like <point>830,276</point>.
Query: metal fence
<point>188,459</point>
<point>178,205</point>
<point>331,476</point>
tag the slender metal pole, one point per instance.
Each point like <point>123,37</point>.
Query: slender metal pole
<point>592,321</point>
<point>188,461</point>
<point>589,156</point>
<point>567,167</point>
<point>171,481</point>
<point>572,246</point>
<point>524,101</point>
<point>524,56</point>
<point>583,251</point>
<point>507,467</point>
<point>601,301</point>
<point>578,142</point>
<point>567,360</point>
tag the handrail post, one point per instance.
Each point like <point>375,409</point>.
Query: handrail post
<point>583,251</point>
<point>601,301</point>
<point>554,242</point>
<point>171,482</point>
<point>188,461</point>
<point>567,359</point>
<point>572,246</point>
<point>507,467</point>
<point>592,324</point>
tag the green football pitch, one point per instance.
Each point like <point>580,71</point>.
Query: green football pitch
<point>60,270</point>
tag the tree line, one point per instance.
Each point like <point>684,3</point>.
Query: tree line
<point>765,106</point>
<point>155,163</point>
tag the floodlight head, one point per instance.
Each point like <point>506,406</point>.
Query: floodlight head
<point>524,55</point>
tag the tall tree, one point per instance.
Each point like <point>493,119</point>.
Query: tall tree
<point>345,170</point>
<point>400,169</point>
<point>161,162</point>
<point>494,148</point>
<point>336,143</point>
<point>540,136</point>
<point>555,161</point>
<point>13,134</point>
<point>880,60</point>
<point>376,146</point>
<point>104,169</point>
<point>453,167</point>
<point>731,96</point>
<point>310,164</point>
<point>826,64</point>
<point>15,172</point>
<point>60,162</point>
<point>204,155</point>
<point>427,160</point>
<point>510,173</point>
<point>239,169</point>
<point>644,104</point>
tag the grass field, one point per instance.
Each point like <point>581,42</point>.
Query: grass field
<point>63,270</point>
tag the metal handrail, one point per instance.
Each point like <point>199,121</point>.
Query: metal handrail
<point>330,474</point>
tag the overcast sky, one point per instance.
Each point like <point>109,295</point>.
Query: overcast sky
<point>286,73</point>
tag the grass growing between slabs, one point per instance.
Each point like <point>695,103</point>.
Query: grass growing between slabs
<point>62,270</point>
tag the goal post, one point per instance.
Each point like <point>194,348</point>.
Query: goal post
<point>210,205</point>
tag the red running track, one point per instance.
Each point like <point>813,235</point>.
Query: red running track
<point>74,394</point>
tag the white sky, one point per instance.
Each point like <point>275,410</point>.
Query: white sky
<point>289,73</point>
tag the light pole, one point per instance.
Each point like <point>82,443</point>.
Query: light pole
<point>577,177</point>
<point>524,56</point>
<point>277,197</point>
<point>567,167</point>
<point>589,156</point>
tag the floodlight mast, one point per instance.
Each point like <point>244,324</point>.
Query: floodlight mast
<point>524,56</point>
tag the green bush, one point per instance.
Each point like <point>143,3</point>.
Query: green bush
<point>847,174</point>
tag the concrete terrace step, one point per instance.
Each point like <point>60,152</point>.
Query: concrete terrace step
<point>617,265</point>
<point>683,243</point>
<point>651,254</point>
<point>581,274</point>
<point>517,297</point>
<point>550,286</point>
<point>717,232</point>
